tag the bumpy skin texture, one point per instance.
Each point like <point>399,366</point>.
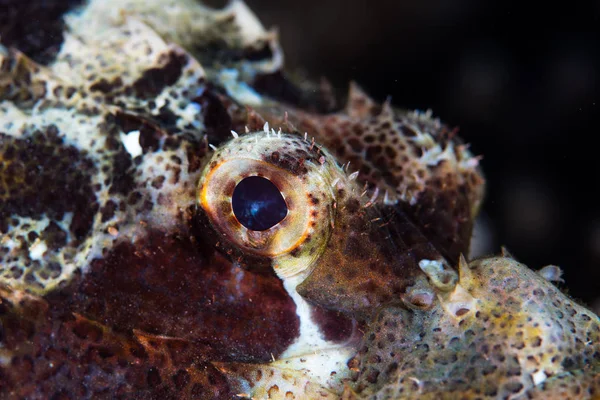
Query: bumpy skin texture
<point>503,332</point>
<point>124,272</point>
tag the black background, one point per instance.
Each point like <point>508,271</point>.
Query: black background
<point>519,79</point>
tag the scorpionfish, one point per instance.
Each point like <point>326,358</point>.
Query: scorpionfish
<point>182,218</point>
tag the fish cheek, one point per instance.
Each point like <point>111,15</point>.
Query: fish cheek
<point>371,260</point>
<point>350,276</point>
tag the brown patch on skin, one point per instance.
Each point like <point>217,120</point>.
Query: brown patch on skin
<point>122,181</point>
<point>36,174</point>
<point>195,154</point>
<point>105,86</point>
<point>335,326</point>
<point>54,236</point>
<point>154,80</point>
<point>40,40</point>
<point>218,122</point>
<point>48,345</point>
<point>108,210</point>
<point>148,321</point>
<point>180,288</point>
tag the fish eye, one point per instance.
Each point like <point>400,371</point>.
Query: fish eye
<point>258,204</point>
<point>271,195</point>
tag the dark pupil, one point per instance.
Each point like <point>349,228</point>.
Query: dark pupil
<point>258,204</point>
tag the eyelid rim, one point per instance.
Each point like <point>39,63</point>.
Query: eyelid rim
<point>274,241</point>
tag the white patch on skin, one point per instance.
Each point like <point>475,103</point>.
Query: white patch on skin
<point>123,39</point>
<point>442,278</point>
<point>131,141</point>
<point>8,114</point>
<point>190,113</point>
<point>431,266</point>
<point>37,249</point>
<point>551,273</point>
<point>311,351</point>
<point>538,377</point>
<point>434,155</point>
<point>239,89</point>
<point>310,334</point>
<point>421,139</point>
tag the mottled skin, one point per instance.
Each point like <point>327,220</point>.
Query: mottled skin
<point>503,332</point>
<point>124,272</point>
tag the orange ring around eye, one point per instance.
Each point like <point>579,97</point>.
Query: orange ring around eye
<point>203,188</point>
<point>283,237</point>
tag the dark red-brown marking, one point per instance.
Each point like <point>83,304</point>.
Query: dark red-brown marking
<point>335,326</point>
<point>154,80</point>
<point>176,287</point>
<point>37,173</point>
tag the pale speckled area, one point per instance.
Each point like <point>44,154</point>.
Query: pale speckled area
<point>88,126</point>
